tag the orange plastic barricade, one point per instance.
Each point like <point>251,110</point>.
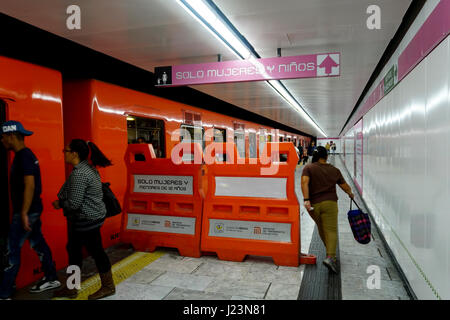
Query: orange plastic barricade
<point>163,206</point>
<point>252,209</point>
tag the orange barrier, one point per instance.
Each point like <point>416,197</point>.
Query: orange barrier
<point>163,205</point>
<point>252,209</point>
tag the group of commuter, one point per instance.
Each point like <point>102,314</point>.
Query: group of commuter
<point>80,198</point>
<point>330,146</point>
<point>305,153</point>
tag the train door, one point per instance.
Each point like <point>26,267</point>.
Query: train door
<point>4,194</point>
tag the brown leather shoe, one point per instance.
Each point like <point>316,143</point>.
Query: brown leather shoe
<point>108,288</point>
<point>65,293</point>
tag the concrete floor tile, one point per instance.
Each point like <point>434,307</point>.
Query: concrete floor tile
<point>145,276</point>
<point>175,265</point>
<point>134,291</point>
<point>252,289</point>
<point>186,294</point>
<point>244,298</point>
<point>184,281</point>
<point>278,276</point>
<point>279,291</point>
<point>223,271</point>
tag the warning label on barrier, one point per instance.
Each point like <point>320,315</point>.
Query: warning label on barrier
<point>169,224</point>
<point>255,230</point>
<point>163,184</point>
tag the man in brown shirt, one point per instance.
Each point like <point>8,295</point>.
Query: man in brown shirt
<point>319,181</point>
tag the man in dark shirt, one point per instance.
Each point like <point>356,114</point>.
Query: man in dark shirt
<point>311,149</point>
<point>319,181</point>
<point>25,184</point>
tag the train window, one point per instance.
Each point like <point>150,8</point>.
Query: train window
<point>252,152</point>
<point>269,138</point>
<point>239,138</point>
<point>4,195</point>
<point>262,140</point>
<point>220,135</point>
<point>281,139</point>
<point>195,133</point>
<point>147,130</point>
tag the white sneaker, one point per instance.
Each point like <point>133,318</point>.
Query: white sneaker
<point>44,285</point>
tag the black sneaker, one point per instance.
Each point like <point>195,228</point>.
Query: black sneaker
<point>44,285</point>
<point>331,264</point>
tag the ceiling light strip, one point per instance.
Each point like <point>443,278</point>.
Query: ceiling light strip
<point>210,16</point>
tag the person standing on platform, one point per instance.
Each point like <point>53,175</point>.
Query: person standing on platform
<point>81,198</point>
<point>311,149</point>
<point>327,146</point>
<point>300,153</point>
<point>25,181</point>
<point>318,183</point>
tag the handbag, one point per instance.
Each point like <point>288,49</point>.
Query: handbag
<point>360,224</point>
<point>111,203</point>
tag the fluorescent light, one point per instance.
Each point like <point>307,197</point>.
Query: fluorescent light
<point>210,17</point>
<point>130,119</point>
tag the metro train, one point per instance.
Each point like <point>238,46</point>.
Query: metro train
<point>57,111</point>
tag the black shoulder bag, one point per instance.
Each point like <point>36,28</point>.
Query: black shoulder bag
<point>112,204</point>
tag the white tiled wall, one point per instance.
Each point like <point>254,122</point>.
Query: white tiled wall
<point>407,172</point>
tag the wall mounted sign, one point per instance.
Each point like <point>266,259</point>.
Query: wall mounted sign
<point>305,66</point>
<point>390,80</point>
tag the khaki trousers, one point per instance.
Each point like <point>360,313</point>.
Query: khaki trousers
<point>325,216</point>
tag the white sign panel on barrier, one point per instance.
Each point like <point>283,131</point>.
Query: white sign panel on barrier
<point>251,187</point>
<point>163,184</point>
<point>154,223</point>
<point>255,230</point>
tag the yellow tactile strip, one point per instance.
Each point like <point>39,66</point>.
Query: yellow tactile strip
<point>121,271</point>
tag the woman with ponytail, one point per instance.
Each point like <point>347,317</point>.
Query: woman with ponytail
<point>81,199</point>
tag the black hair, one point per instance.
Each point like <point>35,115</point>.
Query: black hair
<point>315,156</point>
<point>98,159</point>
<point>322,153</point>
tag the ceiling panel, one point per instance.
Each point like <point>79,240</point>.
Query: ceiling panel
<point>150,33</point>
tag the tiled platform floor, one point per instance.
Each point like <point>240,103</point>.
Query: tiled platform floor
<point>174,277</point>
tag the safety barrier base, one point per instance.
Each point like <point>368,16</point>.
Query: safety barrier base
<point>308,259</point>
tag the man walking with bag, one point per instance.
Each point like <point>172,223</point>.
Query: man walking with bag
<point>319,181</point>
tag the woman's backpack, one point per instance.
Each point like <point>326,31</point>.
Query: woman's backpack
<point>360,224</point>
<point>111,203</point>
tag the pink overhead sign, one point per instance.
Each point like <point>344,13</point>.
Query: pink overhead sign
<point>306,66</point>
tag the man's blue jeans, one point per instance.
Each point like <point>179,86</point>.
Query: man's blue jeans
<point>16,237</point>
